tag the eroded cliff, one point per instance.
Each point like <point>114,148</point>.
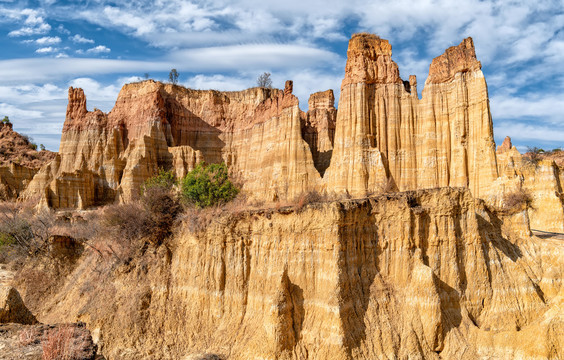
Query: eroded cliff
<point>385,133</point>
<point>428,274</point>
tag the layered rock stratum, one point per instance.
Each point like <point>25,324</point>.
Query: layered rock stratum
<point>431,274</point>
<point>19,161</point>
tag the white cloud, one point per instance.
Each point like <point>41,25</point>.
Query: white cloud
<point>81,40</point>
<point>34,24</point>
<point>98,50</point>
<point>248,57</point>
<point>18,71</point>
<point>63,30</point>
<point>48,40</point>
<point>537,133</point>
<point>46,50</point>
<point>94,90</point>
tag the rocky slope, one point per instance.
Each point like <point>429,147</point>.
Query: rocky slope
<point>429,274</point>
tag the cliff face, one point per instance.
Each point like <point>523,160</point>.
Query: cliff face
<point>19,162</point>
<point>540,178</point>
<point>107,157</point>
<point>382,138</point>
<point>429,274</point>
<point>444,139</point>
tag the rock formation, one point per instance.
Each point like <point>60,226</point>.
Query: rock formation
<point>384,131</point>
<point>540,178</point>
<point>12,308</point>
<point>318,129</point>
<point>107,157</point>
<point>429,274</point>
<point>19,161</point>
<point>383,138</point>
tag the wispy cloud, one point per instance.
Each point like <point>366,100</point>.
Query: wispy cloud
<point>34,24</point>
<point>81,40</point>
<point>46,50</point>
<point>48,40</point>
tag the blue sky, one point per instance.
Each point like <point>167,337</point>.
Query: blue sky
<point>100,45</point>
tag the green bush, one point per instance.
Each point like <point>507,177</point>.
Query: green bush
<point>163,180</point>
<point>208,185</point>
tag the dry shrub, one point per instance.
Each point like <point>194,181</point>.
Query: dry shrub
<point>152,217</point>
<point>28,336</point>
<point>309,197</point>
<point>23,230</point>
<point>517,200</point>
<point>198,219</point>
<point>63,343</point>
<point>129,221</point>
<point>162,207</point>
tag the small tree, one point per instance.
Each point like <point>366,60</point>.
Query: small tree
<point>264,80</point>
<point>146,76</point>
<point>173,76</point>
<point>6,120</point>
<point>42,147</point>
<point>208,185</point>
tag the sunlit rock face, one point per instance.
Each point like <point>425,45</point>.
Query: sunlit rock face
<point>384,131</point>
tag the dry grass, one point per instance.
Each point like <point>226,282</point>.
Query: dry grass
<point>29,336</point>
<point>517,200</point>
<point>63,343</point>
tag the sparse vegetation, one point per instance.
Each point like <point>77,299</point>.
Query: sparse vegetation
<point>264,80</point>
<point>534,153</point>
<point>42,147</point>
<point>309,197</point>
<point>517,200</point>
<point>6,120</point>
<point>173,76</point>
<point>208,185</point>
<point>163,180</point>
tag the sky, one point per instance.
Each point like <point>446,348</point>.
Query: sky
<point>98,45</point>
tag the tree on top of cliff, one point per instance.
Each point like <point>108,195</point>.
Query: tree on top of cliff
<point>6,120</point>
<point>264,80</point>
<point>173,76</point>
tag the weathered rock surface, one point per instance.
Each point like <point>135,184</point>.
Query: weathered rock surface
<point>12,308</point>
<point>428,274</point>
<point>540,178</point>
<point>384,131</point>
<point>19,162</point>
<point>318,129</point>
<point>107,157</point>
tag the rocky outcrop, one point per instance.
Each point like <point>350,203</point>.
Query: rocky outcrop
<point>12,308</point>
<point>106,157</point>
<point>383,137</point>
<point>384,133</point>
<point>428,274</point>
<point>540,178</point>
<point>19,161</point>
<point>318,128</point>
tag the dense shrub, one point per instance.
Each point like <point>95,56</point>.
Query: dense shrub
<point>208,185</point>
